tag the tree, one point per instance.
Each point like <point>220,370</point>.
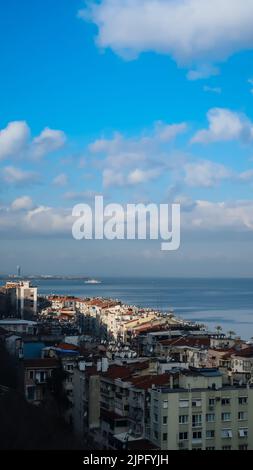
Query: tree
<point>218,329</point>
<point>231,333</point>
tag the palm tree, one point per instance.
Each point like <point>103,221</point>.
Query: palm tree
<point>231,333</point>
<point>218,329</point>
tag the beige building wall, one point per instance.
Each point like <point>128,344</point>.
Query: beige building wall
<point>234,419</point>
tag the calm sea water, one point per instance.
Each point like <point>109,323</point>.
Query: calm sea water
<point>225,302</point>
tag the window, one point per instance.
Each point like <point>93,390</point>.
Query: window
<point>196,403</point>
<point>155,434</point>
<point>243,447</point>
<point>243,400</point>
<point>155,418</point>
<point>242,415</point>
<point>226,448</point>
<point>165,404</point>
<point>210,448</point>
<point>183,403</point>
<point>31,374</point>
<point>211,401</point>
<point>30,393</point>
<point>183,419</point>
<point>210,417</point>
<point>165,436</point>
<point>165,419</point>
<point>225,401</point>
<point>243,432</point>
<point>226,433</point>
<point>225,416</point>
<point>197,435</point>
<point>183,436</point>
<point>210,434</point>
<point>196,421</point>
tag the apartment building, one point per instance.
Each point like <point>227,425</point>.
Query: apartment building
<point>23,297</point>
<point>86,402</point>
<point>198,412</point>
<point>35,375</point>
<point>24,327</point>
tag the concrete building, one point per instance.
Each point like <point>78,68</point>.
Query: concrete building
<point>86,401</point>
<point>35,375</point>
<point>198,412</point>
<point>18,326</point>
<point>23,297</point>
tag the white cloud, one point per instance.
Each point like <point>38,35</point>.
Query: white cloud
<point>167,132</point>
<point>225,125</point>
<point>81,195</point>
<point>14,175</point>
<point>47,142</point>
<point>60,180</point>
<point>141,176</point>
<point>13,139</point>
<point>217,216</point>
<point>205,173</point>
<point>112,178</point>
<point>204,71</point>
<point>16,142</point>
<point>210,89</point>
<point>135,160</point>
<point>246,176</point>
<point>22,203</point>
<point>160,133</point>
<point>190,31</point>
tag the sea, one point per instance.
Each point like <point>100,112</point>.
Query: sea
<point>224,302</point>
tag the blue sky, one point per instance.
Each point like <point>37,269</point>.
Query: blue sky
<point>91,104</point>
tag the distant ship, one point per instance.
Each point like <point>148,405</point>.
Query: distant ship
<point>92,281</point>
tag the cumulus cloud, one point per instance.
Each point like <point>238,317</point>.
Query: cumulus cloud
<point>205,173</point>
<point>113,178</point>
<point>225,125</point>
<point>22,203</point>
<point>141,176</point>
<point>136,160</point>
<point>60,180</point>
<point>219,216</point>
<point>16,176</point>
<point>47,142</point>
<point>197,216</point>
<point>160,133</point>
<point>13,139</point>
<point>31,221</point>
<point>190,31</point>
<point>16,141</point>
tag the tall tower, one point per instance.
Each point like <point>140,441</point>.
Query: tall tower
<point>18,271</point>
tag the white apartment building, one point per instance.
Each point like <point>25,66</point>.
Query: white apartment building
<point>197,412</point>
<point>23,296</point>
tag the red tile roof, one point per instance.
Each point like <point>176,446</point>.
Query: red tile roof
<point>146,381</point>
<point>247,352</point>
<point>68,346</point>
<point>46,363</point>
<point>190,341</point>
